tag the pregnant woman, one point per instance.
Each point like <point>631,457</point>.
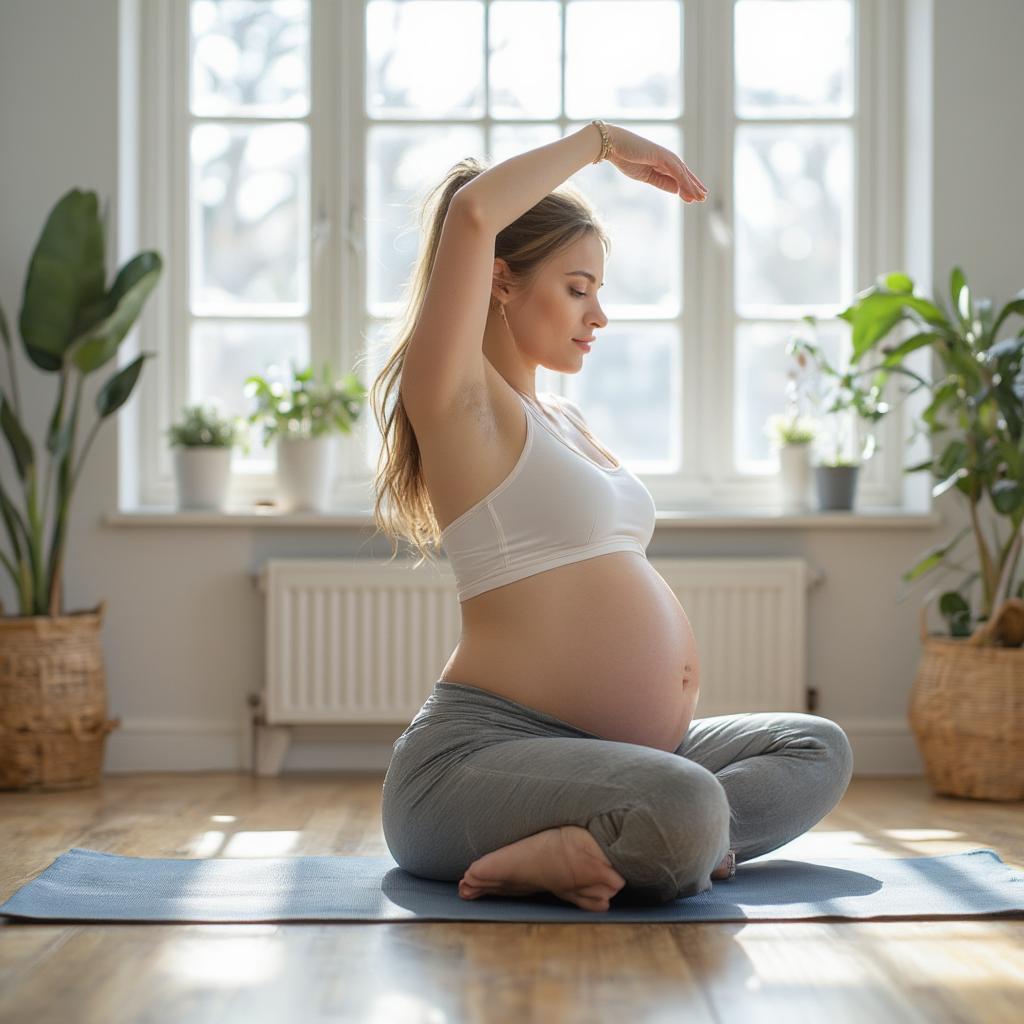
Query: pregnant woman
<point>558,751</point>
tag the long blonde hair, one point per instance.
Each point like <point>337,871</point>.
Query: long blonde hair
<point>402,506</point>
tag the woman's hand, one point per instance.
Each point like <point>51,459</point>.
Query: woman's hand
<point>646,161</point>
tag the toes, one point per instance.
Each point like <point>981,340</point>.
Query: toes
<point>596,892</point>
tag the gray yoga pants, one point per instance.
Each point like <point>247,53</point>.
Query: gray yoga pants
<point>475,771</point>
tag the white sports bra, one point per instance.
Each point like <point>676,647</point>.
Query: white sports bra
<point>556,506</point>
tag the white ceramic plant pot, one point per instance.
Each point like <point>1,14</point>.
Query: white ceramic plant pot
<point>305,471</point>
<point>795,476</point>
<point>203,473</point>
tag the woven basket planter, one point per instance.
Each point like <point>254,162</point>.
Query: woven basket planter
<point>967,712</point>
<point>53,701</point>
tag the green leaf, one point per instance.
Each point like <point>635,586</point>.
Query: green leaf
<point>957,612</point>
<point>21,446</point>
<point>983,316</point>
<point>13,521</point>
<point>897,354</point>
<point>1015,305</point>
<point>951,602</point>
<point>878,314</point>
<point>934,556</point>
<point>116,391</point>
<point>1007,496</point>
<point>961,296</point>
<point>136,280</point>
<point>1007,347</point>
<point>897,282</point>
<point>4,332</point>
<point>65,273</point>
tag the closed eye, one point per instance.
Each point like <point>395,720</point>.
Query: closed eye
<point>578,294</point>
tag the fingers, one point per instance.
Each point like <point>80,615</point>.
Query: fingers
<point>686,177</point>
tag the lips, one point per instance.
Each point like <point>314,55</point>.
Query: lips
<point>586,341</point>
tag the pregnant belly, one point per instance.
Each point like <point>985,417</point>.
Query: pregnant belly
<point>602,644</point>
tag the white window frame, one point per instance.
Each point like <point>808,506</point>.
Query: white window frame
<point>339,323</point>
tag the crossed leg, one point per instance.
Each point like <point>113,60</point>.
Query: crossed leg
<point>781,772</point>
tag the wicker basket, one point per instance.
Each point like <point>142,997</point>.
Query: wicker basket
<point>53,701</point>
<point>967,712</point>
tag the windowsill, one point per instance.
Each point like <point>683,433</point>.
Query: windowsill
<point>888,518</point>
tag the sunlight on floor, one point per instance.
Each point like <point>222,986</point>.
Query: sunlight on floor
<point>399,1008</point>
<point>271,843</point>
<point>885,843</point>
<point>222,963</point>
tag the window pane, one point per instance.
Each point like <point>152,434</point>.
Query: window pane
<point>526,37</point>
<point>629,391</point>
<point>424,59</point>
<point>508,141</point>
<point>250,58</point>
<point>643,269</point>
<point>403,165</point>
<point>794,58</point>
<point>250,218</point>
<point>623,59</point>
<point>794,217</point>
<point>761,373</point>
<point>223,354</point>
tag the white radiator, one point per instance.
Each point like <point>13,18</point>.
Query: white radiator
<point>363,641</point>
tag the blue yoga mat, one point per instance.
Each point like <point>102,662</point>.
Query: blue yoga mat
<point>88,885</point>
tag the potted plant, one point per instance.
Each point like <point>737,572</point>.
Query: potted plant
<point>202,443</point>
<point>837,470</point>
<point>303,419</point>
<point>792,435</point>
<point>966,707</point>
<point>53,722</point>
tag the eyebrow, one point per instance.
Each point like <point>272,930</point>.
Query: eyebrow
<point>584,273</point>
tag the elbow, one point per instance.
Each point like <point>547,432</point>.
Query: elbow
<point>467,205</point>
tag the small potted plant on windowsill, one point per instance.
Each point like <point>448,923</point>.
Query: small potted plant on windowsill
<point>792,435</point>
<point>843,449</point>
<point>203,442</point>
<point>304,421</point>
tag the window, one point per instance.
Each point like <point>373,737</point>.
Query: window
<point>291,141</point>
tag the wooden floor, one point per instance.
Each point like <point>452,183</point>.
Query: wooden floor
<point>448,972</point>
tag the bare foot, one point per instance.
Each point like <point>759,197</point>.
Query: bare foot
<point>727,867</point>
<point>566,861</point>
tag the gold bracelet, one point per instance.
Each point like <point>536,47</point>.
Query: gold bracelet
<point>606,142</point>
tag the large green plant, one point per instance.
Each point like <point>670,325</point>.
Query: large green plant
<point>69,324</point>
<point>981,387</point>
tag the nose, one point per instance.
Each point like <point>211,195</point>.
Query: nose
<point>599,319</point>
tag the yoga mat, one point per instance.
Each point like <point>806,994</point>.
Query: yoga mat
<point>88,885</point>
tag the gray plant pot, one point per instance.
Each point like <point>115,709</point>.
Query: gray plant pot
<point>837,486</point>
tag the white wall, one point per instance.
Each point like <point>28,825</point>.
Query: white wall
<point>183,639</point>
